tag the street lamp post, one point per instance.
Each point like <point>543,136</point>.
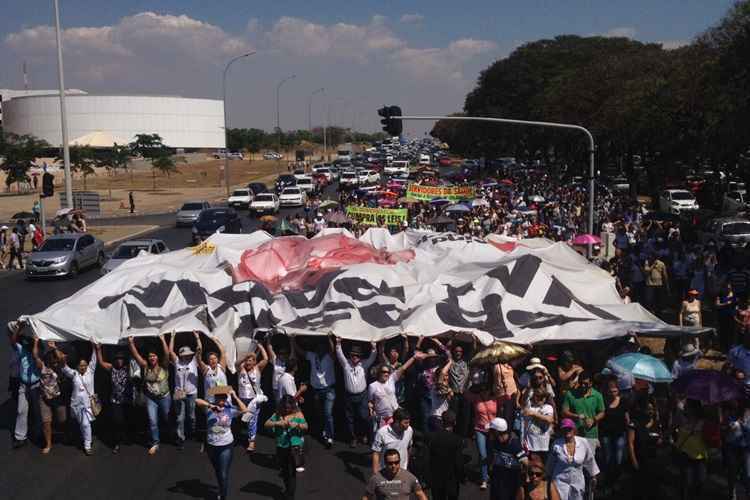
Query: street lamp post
<point>226,119</point>
<point>63,112</point>
<point>278,120</point>
<point>309,116</point>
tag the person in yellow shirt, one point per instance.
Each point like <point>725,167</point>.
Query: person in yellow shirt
<point>691,448</point>
<point>657,283</point>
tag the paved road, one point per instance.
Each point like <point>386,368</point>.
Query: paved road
<point>67,473</point>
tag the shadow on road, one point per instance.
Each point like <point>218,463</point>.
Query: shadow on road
<point>194,488</point>
<point>352,461</point>
<point>264,488</point>
<point>265,460</point>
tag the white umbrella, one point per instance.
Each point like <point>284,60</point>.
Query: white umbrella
<point>480,202</point>
<point>536,198</point>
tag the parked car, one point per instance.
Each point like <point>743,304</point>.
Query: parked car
<point>216,220</point>
<point>292,197</point>
<point>264,203</point>
<point>65,255</point>
<point>235,155</point>
<point>132,248</point>
<point>734,201</point>
<point>257,187</point>
<point>240,198</point>
<point>189,212</point>
<point>272,155</point>
<point>284,181</point>
<point>731,231</point>
<point>677,201</point>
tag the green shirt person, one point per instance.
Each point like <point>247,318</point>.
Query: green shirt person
<point>585,406</point>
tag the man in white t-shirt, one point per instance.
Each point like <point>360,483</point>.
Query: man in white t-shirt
<point>382,399</point>
<point>397,436</point>
<point>287,385</point>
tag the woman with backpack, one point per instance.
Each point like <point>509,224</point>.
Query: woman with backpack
<point>84,403</point>
<point>156,388</point>
<point>51,403</point>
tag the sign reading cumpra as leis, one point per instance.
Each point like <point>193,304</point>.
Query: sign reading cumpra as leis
<point>453,193</point>
<point>376,216</point>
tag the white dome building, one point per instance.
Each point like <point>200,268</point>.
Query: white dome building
<point>185,123</point>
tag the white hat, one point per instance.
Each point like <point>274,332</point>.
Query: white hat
<point>4,228</point>
<point>535,363</point>
<point>497,424</point>
<point>185,351</point>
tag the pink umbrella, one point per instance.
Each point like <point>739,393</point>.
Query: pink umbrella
<point>587,239</point>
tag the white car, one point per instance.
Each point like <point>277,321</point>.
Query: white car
<point>362,176</point>
<point>241,198</point>
<point>326,172</point>
<point>398,167</point>
<point>300,174</point>
<point>306,184</point>
<point>265,203</point>
<point>425,159</point>
<point>676,201</point>
<point>735,201</point>
<point>349,178</point>
<point>130,249</point>
<point>272,155</point>
<point>292,197</point>
<point>372,176</point>
<point>235,155</point>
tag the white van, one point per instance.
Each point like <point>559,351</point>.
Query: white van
<point>425,159</point>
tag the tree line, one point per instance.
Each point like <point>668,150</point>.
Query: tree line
<point>254,140</point>
<point>19,153</point>
<point>685,107</point>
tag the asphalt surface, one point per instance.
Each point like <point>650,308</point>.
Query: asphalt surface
<point>67,473</point>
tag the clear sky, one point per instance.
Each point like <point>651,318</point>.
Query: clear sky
<point>422,55</point>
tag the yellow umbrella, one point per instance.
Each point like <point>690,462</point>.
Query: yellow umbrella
<point>499,352</point>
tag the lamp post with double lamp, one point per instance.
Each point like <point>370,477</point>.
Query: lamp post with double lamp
<point>226,119</point>
<point>278,120</point>
<point>309,116</point>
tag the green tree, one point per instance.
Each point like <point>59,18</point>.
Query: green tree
<point>19,152</point>
<point>82,161</point>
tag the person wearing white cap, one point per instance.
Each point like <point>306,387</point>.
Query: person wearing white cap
<point>185,386</point>
<point>506,460</point>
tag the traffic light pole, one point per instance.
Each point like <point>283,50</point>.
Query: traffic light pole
<point>589,136</point>
<point>42,217</point>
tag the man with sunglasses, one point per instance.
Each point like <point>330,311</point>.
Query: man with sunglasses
<point>393,482</point>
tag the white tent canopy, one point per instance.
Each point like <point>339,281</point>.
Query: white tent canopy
<point>99,139</point>
<point>538,292</point>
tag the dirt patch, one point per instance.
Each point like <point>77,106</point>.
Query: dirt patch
<point>113,233</point>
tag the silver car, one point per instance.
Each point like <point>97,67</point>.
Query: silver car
<point>189,212</point>
<point>131,249</point>
<point>65,255</point>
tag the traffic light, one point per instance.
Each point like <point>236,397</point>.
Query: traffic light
<point>394,128</point>
<point>48,185</point>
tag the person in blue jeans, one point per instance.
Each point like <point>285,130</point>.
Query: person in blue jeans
<point>612,430</point>
<point>156,387</point>
<point>219,437</point>
<point>323,382</point>
<point>185,386</point>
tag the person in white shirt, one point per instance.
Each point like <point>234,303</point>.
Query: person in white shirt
<point>80,399</point>
<point>323,382</point>
<point>249,371</point>
<point>185,386</point>
<point>355,383</point>
<point>287,385</point>
<point>382,399</point>
<point>214,373</point>
<point>278,360</point>
<point>397,436</point>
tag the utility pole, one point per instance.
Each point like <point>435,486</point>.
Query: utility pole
<point>63,114</point>
<point>309,114</point>
<point>278,115</point>
<point>226,119</point>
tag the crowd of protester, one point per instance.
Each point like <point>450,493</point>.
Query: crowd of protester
<point>560,423</point>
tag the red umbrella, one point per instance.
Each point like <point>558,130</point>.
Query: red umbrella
<point>507,182</point>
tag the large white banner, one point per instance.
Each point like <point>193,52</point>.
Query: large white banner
<point>382,285</point>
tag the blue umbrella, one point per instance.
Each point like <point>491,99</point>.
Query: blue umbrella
<point>644,367</point>
<point>458,207</point>
<point>439,201</point>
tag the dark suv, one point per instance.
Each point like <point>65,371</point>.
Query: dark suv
<point>285,181</point>
<point>216,220</point>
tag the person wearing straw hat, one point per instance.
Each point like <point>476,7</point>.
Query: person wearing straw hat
<point>689,355</point>
<point>220,412</point>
